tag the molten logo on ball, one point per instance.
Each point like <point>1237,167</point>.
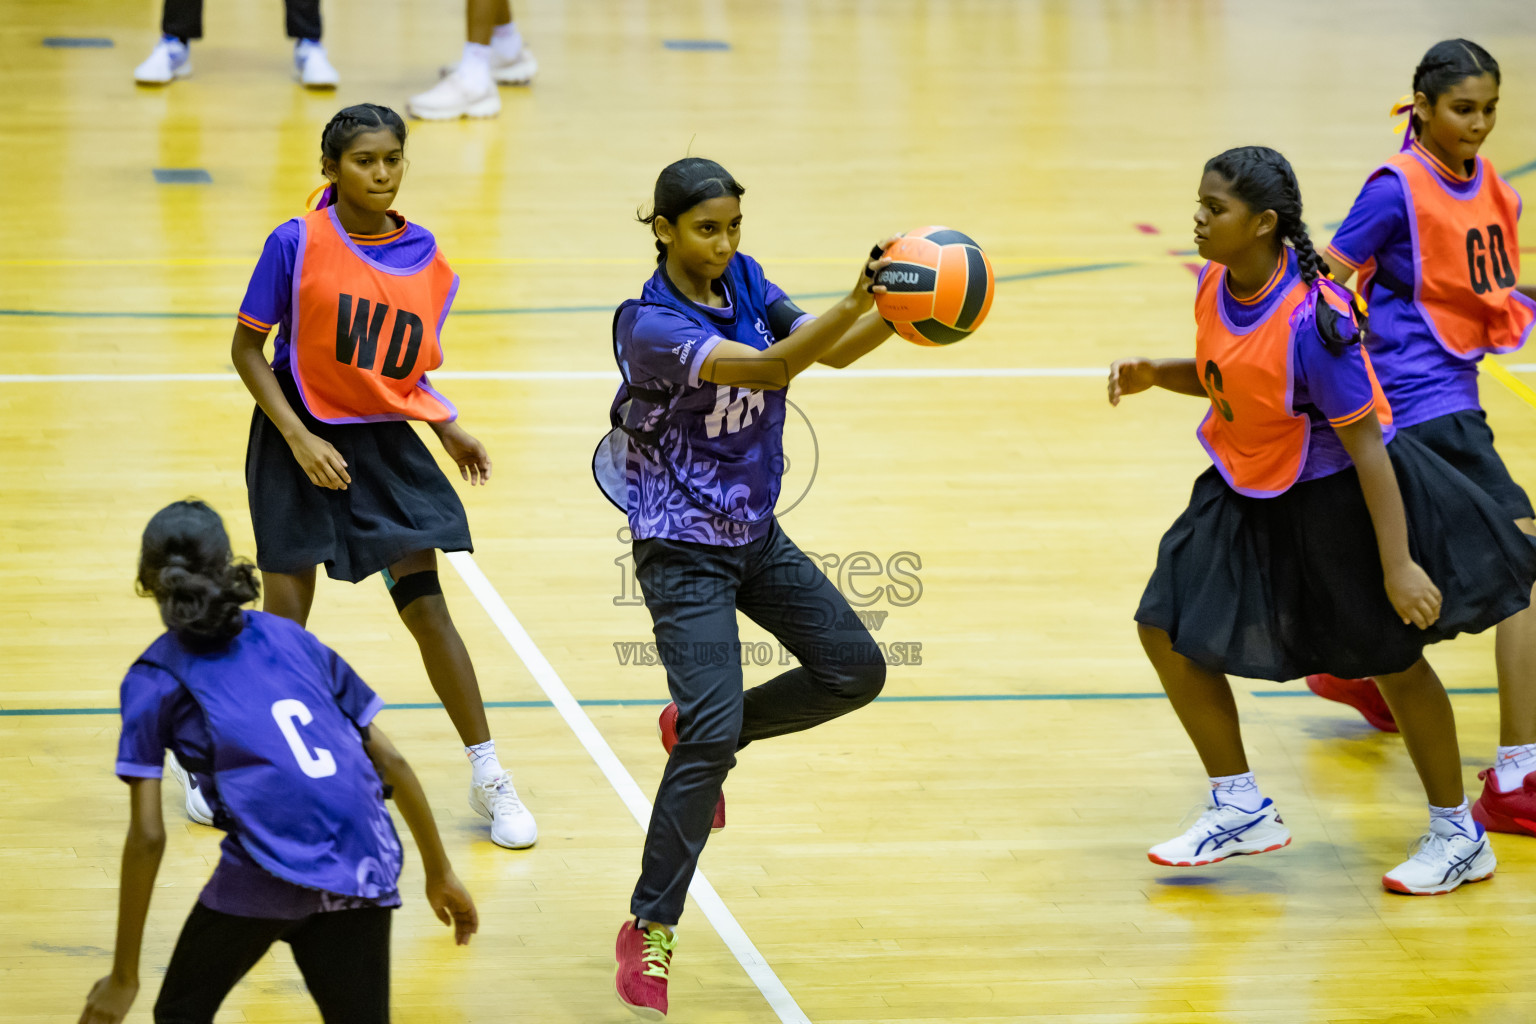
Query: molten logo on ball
<point>938,286</point>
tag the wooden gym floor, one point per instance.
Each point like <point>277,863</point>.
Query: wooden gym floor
<point>970,848</point>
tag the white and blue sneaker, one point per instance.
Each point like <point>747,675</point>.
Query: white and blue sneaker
<point>1222,832</point>
<point>311,67</point>
<point>170,59</point>
<point>197,804</point>
<point>1444,858</point>
<point>512,824</point>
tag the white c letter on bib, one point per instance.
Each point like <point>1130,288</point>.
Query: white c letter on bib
<point>316,765</point>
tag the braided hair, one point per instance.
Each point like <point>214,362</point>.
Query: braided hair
<point>684,184</point>
<point>348,124</point>
<point>1446,64</point>
<point>186,566</point>
<point>1264,180</point>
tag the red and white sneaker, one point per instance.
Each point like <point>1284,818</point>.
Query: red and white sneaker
<point>645,961</point>
<point>666,728</point>
<point>1360,694</point>
<point>1506,810</point>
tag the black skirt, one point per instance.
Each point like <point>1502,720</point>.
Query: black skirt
<point>398,502</point>
<point>1280,588</point>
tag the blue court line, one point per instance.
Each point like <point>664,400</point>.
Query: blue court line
<point>958,698</point>
<point>696,44</point>
<point>78,42</point>
<point>1083,268</point>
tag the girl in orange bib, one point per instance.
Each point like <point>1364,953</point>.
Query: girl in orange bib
<point>1434,236</point>
<point>336,473</point>
<point>1316,540</point>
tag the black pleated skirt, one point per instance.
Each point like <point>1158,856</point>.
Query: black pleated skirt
<point>399,501</point>
<point>1280,588</point>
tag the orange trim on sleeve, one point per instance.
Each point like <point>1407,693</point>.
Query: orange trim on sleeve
<point>1334,254</point>
<point>1356,416</point>
<point>254,324</point>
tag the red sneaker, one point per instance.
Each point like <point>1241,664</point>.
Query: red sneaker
<point>1360,694</point>
<point>645,959</point>
<point>1506,811</point>
<point>666,728</point>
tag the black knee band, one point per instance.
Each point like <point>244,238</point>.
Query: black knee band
<point>417,585</point>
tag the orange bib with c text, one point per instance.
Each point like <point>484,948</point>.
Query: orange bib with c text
<point>1253,434</point>
<point>364,334</point>
<point>1466,254</point>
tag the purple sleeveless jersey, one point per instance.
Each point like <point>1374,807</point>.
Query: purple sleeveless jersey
<point>291,780</point>
<point>710,466</point>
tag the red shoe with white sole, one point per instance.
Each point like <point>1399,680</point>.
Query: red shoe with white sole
<point>1360,694</point>
<point>666,728</point>
<point>645,962</point>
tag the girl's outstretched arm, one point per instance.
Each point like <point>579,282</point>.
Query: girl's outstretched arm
<point>111,997</point>
<point>770,369</point>
<point>1413,594</point>
<point>450,901</point>
<point>866,335</point>
<point>321,462</point>
<point>1129,376</point>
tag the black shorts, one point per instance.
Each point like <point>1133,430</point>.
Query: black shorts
<point>1465,440</point>
<point>342,954</point>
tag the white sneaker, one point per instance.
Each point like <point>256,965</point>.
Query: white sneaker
<point>197,805</point>
<point>1445,857</point>
<point>518,70</point>
<point>1224,832</point>
<point>512,824</point>
<point>454,97</point>
<point>312,67</point>
<point>170,59</point>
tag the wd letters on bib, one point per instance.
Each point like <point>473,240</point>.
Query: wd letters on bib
<point>365,334</point>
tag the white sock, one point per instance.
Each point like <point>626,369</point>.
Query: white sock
<point>305,45</point>
<point>175,44</point>
<point>483,762</point>
<point>1238,791</point>
<point>475,64</point>
<point>1460,816</point>
<point>1513,764</point>
<point>507,41</point>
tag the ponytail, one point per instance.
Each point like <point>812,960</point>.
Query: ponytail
<point>186,566</point>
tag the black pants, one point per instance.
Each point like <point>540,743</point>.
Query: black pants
<point>184,19</point>
<point>343,955</point>
<point>693,592</point>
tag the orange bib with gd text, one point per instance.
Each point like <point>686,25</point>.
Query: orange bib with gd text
<point>1466,255</point>
<point>364,334</point>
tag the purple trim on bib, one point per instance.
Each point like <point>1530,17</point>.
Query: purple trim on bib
<point>357,251</point>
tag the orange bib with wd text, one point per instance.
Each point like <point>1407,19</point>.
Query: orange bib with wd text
<point>1253,434</point>
<point>1466,255</point>
<point>363,334</point>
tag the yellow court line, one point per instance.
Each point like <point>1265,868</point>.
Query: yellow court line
<point>1522,390</point>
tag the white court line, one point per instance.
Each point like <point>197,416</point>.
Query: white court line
<point>960,372</point>
<point>618,776</point>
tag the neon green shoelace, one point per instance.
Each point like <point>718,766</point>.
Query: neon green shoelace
<point>656,952</point>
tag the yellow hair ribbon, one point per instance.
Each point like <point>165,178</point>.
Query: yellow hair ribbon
<point>309,204</point>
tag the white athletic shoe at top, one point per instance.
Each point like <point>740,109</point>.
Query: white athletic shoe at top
<point>518,70</point>
<point>1445,857</point>
<point>170,59</point>
<point>512,824</point>
<point>456,96</point>
<point>197,805</point>
<point>312,67</point>
<point>1222,832</point>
